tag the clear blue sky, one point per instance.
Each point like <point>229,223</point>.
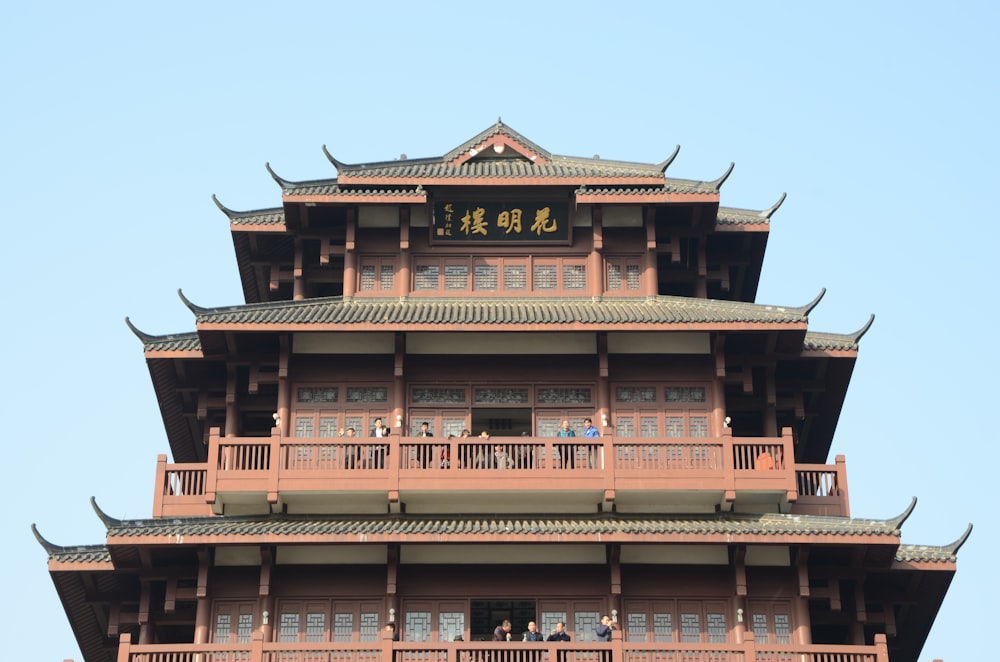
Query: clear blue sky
<point>121,119</point>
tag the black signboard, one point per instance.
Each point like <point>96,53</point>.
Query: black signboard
<point>500,221</point>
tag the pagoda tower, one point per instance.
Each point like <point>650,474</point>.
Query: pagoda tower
<point>495,388</point>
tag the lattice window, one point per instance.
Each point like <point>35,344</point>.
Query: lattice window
<point>674,426</point>
<point>425,277</point>
<point>501,396</point>
<point>438,395</point>
<point>698,425</point>
<point>782,629</point>
<point>760,629</point>
<point>690,628</point>
<point>635,393</point>
<point>315,627</point>
<point>303,426</point>
<point>624,426</point>
<point>367,277</point>
<point>545,277</point>
<point>485,277</point>
<point>632,277</point>
<point>343,627</point>
<point>367,394</point>
<point>649,426</point>
<point>317,394</point>
<point>450,623</point>
<point>223,626</point>
<point>585,625</point>
<point>614,277</point>
<point>717,633</point>
<point>456,277</point>
<point>288,627</point>
<point>386,276</point>
<point>369,626</point>
<point>418,626</point>
<point>575,276</point>
<point>327,426</point>
<point>572,396</point>
<point>244,629</point>
<point>622,275</point>
<point>636,623</point>
<point>678,394</point>
<point>663,627</point>
<point>515,277</point>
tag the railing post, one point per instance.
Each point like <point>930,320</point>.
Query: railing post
<point>274,465</point>
<point>787,464</point>
<point>212,473</point>
<point>845,502</point>
<point>881,648</point>
<point>161,485</point>
<point>124,647</point>
<point>617,645</point>
<point>749,646</point>
<point>728,466</point>
<point>257,647</point>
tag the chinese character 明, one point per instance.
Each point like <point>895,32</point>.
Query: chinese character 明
<point>510,221</point>
<point>543,223</point>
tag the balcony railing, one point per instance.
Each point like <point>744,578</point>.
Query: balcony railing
<point>616,651</point>
<point>609,465</point>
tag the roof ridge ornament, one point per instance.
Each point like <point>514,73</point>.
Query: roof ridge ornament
<point>717,184</point>
<point>109,521</point>
<point>339,165</point>
<point>282,182</point>
<point>897,521</point>
<point>773,208</point>
<point>196,309</point>
<point>857,335</point>
<point>957,545</point>
<point>808,308</point>
<point>224,209</point>
<point>50,548</point>
<point>663,165</point>
<point>141,335</point>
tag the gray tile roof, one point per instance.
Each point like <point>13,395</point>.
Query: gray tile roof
<point>506,168</point>
<point>177,342</point>
<point>816,341</point>
<point>434,526</point>
<point>330,187</point>
<point>659,310</point>
<point>732,216</point>
<point>80,554</point>
<point>925,553</point>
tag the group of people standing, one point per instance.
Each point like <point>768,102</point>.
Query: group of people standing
<point>602,631</point>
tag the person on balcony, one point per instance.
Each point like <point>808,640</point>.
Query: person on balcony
<point>559,633</point>
<point>532,634</point>
<point>502,633</point>
<point>604,629</point>
<point>500,459</point>
<point>764,461</point>
<point>351,453</point>
<point>589,430</point>
<point>567,452</point>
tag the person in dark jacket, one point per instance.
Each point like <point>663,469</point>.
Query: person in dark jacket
<point>532,634</point>
<point>559,634</point>
<point>604,629</point>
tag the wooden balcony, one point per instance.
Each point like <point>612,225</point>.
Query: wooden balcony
<point>246,475</point>
<point>615,651</point>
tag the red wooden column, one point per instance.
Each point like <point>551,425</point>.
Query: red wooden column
<point>649,278</point>
<point>350,257</point>
<point>594,261</point>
